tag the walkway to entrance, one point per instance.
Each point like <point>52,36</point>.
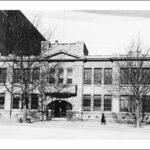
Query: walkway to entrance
<point>59,108</point>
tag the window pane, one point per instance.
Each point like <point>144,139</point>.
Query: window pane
<point>134,75</point>
<point>16,100</point>
<point>87,76</point>
<point>97,102</point>
<point>52,76</point>
<point>107,102</point>
<point>26,75</point>
<point>2,100</point>
<point>125,103</point>
<point>34,101</point>
<point>60,75</point>
<point>22,75</point>
<point>124,75</point>
<point>108,76</point>
<point>36,74</point>
<point>26,101</point>
<point>69,75</point>
<point>146,104</point>
<point>69,81</point>
<point>60,80</point>
<point>97,75</point>
<point>146,75</point>
<point>3,75</point>
<point>69,72</point>
<point>86,102</point>
<point>17,75</point>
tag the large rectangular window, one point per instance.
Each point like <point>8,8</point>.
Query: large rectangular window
<point>107,102</point>
<point>97,103</point>
<point>26,102</point>
<point>146,104</point>
<point>52,76</point>
<point>97,75</point>
<point>69,75</point>
<point>86,102</point>
<point>60,75</point>
<point>26,75</point>
<point>3,74</point>
<point>134,75</point>
<point>146,76</point>
<point>2,100</point>
<point>17,75</point>
<point>125,105</point>
<point>35,74</point>
<point>16,100</point>
<point>34,101</point>
<point>108,75</point>
<point>124,75</point>
<point>22,75</point>
<point>87,75</point>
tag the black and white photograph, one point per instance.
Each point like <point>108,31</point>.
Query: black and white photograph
<point>74,73</point>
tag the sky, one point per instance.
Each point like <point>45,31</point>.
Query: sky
<point>104,32</point>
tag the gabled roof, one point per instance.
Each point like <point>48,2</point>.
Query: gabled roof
<point>50,55</point>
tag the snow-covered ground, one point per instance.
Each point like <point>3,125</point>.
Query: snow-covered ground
<point>10,129</point>
<point>71,134</point>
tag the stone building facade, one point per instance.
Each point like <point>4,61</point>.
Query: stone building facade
<point>89,81</point>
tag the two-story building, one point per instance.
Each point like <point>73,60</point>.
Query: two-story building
<point>89,81</point>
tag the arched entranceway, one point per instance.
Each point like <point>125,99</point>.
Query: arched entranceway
<point>59,108</point>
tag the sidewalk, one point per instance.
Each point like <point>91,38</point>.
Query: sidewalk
<point>87,124</point>
<point>10,129</point>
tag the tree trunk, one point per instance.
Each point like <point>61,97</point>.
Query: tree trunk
<point>24,110</point>
<point>138,120</point>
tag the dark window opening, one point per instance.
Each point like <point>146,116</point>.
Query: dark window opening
<point>3,74</point>
<point>34,101</point>
<point>36,74</point>
<point>87,75</point>
<point>97,75</point>
<point>16,102</point>
<point>86,102</point>
<point>108,75</point>
<point>97,102</point>
<point>107,102</point>
<point>2,101</point>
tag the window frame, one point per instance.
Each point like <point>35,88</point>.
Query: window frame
<point>34,102</point>
<point>122,76</point>
<point>145,100</point>
<point>69,76</point>
<point>35,74</point>
<point>89,76</point>
<point>99,76</point>
<point>97,97</point>
<point>15,96</point>
<point>105,104</point>
<point>60,75</point>
<point>128,109</point>
<point>86,105</point>
<point>2,104</point>
<point>3,77</point>
<point>105,79</point>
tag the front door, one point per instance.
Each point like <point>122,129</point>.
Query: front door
<point>59,108</point>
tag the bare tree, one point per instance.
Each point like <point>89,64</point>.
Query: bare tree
<point>133,78</point>
<point>23,44</point>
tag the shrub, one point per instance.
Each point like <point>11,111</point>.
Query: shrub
<point>20,118</point>
<point>69,114</point>
<point>123,118</point>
